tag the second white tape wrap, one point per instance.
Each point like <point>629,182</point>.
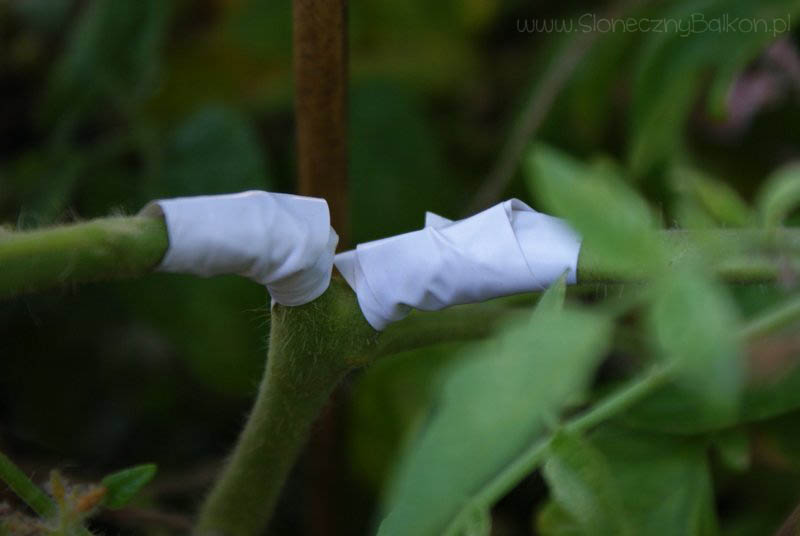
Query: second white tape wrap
<point>507,249</point>
<point>282,241</point>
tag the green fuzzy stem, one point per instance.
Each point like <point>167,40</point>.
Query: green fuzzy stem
<point>312,347</point>
<point>98,249</point>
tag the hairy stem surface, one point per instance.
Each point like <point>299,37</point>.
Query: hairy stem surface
<point>311,348</point>
<point>106,248</point>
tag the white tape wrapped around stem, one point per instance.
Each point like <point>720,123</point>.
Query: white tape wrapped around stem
<point>285,242</point>
<point>507,249</point>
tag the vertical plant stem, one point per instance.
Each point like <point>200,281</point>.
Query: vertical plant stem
<point>320,77</point>
<point>25,488</point>
<point>311,348</point>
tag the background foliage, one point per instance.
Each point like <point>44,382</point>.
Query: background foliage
<point>106,105</point>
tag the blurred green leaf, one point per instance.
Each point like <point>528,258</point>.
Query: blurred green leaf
<point>582,484</point>
<point>214,151</point>
<point>389,403</point>
<point>665,482</point>
<point>112,57</point>
<point>718,199</point>
<point>672,64</point>
<point>552,300</point>
<point>693,325</point>
<point>733,446</point>
<point>477,523</point>
<point>613,220</point>
<point>661,484</point>
<point>591,91</point>
<point>553,520</point>
<point>123,485</point>
<point>208,324</point>
<point>689,213</point>
<point>779,196</point>
<point>496,400</point>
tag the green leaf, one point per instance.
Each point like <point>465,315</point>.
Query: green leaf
<point>553,520</point>
<point>733,446</point>
<point>673,64</point>
<point>553,299</point>
<point>661,484</point>
<point>718,199</point>
<point>496,401</point>
<point>214,151</point>
<point>477,523</point>
<point>389,403</point>
<point>664,482</point>
<point>779,196</point>
<point>113,55</point>
<point>123,485</point>
<point>694,327</point>
<point>582,484</point>
<point>614,221</point>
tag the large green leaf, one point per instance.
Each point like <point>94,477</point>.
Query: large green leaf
<point>112,56</point>
<point>582,484</point>
<point>615,222</point>
<point>496,400</point>
<point>661,483</point>
<point>389,403</point>
<point>694,327</point>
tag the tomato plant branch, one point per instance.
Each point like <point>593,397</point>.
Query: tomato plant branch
<point>311,348</point>
<point>97,249</point>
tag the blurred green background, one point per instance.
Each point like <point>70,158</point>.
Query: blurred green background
<point>105,105</point>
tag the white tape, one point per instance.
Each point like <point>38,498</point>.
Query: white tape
<point>285,242</point>
<point>507,249</point>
